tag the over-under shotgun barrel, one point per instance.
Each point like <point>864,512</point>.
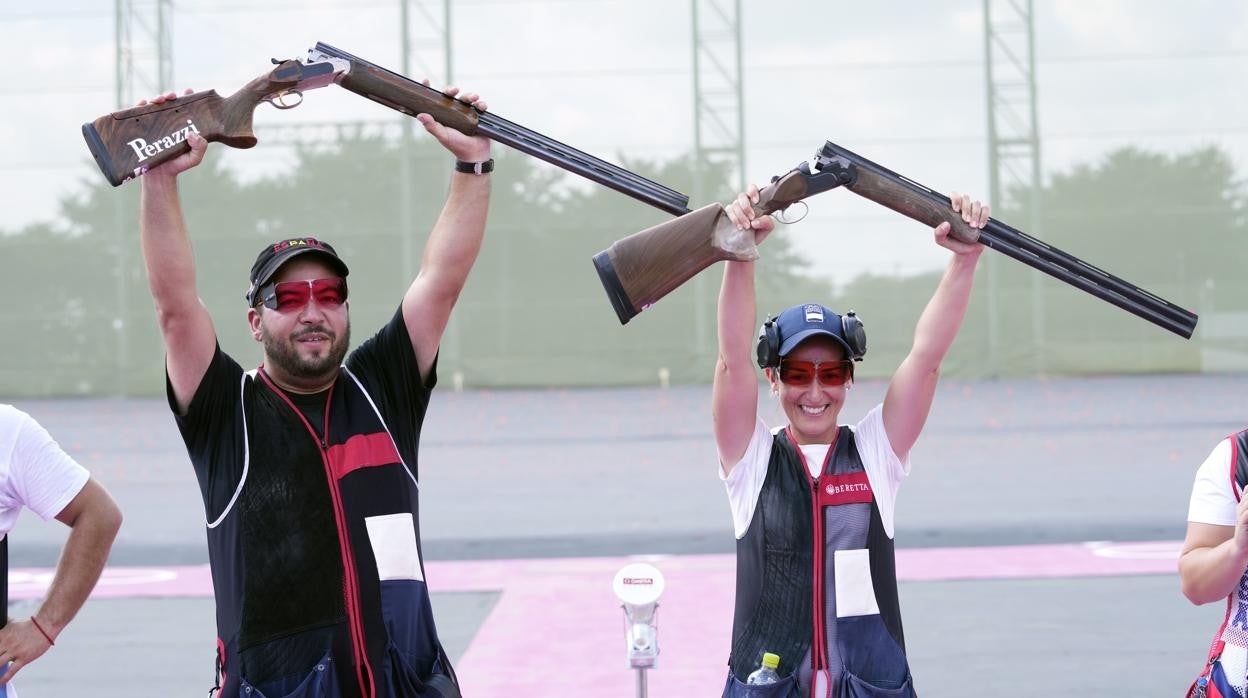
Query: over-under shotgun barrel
<point>921,203</point>
<point>410,97</point>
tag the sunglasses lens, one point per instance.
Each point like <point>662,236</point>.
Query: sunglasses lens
<point>330,292</point>
<point>797,373</point>
<point>835,374</point>
<point>290,295</point>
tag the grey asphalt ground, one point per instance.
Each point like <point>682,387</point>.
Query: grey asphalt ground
<point>613,472</point>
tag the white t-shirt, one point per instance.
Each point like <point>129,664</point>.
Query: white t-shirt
<point>885,470</point>
<point>34,471</point>
<point>1213,502</point>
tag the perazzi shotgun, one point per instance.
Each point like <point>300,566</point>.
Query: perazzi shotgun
<point>127,143</point>
<point>642,268</point>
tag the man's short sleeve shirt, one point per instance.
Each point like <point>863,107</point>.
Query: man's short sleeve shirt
<point>34,471</point>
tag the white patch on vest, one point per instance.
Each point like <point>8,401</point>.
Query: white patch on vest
<point>814,314</point>
<point>855,595</point>
<point>393,537</point>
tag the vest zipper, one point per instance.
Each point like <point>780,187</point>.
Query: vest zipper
<point>350,588</point>
<point>819,649</point>
<point>819,643</point>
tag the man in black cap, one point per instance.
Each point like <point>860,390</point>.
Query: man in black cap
<point>307,464</point>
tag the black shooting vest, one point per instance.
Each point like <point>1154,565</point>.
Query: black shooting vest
<point>309,593</point>
<point>786,599</point>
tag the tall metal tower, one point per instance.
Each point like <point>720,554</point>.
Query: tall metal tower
<point>426,53</point>
<point>1013,143</point>
<point>718,103</point>
<point>143,49</point>
<point>426,44</point>
<point>718,122</point>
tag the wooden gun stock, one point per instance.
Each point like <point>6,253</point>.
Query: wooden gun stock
<point>127,143</point>
<point>642,268</point>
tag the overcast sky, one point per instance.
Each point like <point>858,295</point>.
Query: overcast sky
<point>899,82</point>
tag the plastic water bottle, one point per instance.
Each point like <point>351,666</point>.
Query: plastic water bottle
<point>766,673</point>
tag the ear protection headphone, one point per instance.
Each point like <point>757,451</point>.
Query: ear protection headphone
<point>769,340</point>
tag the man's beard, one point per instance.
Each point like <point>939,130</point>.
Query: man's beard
<point>283,354</point>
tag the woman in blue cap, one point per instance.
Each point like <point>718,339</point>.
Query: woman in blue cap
<point>812,502</point>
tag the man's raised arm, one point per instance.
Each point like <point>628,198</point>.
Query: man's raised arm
<point>190,339</point>
<point>453,243</point>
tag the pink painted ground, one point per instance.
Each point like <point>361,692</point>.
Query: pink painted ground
<point>562,612</point>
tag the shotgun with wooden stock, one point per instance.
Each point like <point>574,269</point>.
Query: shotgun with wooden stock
<point>128,143</point>
<point>642,268</point>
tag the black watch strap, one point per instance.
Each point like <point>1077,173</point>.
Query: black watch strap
<point>478,168</point>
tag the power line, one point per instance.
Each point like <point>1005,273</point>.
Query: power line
<point>46,91</point>
<point>685,72</point>
<point>43,17</point>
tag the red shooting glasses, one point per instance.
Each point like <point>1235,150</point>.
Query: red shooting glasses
<point>830,373</point>
<point>287,296</point>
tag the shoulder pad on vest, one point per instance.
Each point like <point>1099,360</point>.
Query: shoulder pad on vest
<point>1239,461</point>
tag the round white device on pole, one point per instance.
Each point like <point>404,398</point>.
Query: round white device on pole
<point>638,586</point>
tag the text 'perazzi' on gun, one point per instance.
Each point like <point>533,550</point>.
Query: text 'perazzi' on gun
<point>127,143</point>
<point>642,268</point>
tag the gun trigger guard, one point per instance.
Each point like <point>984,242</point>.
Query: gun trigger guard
<point>782,217</point>
<point>279,100</point>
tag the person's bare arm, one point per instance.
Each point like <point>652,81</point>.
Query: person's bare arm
<point>94,519</point>
<point>734,393</point>
<point>190,339</point>
<point>1214,558</point>
<point>453,244</point>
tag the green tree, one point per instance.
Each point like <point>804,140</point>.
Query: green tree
<point>1170,224</point>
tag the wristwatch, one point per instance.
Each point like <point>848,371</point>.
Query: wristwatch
<point>477,168</point>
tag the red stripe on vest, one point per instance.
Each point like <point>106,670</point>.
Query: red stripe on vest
<point>361,451</point>
<point>850,488</point>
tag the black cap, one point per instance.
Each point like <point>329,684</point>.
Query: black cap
<point>273,256</point>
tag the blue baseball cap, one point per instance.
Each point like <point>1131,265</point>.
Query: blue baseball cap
<point>801,322</point>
